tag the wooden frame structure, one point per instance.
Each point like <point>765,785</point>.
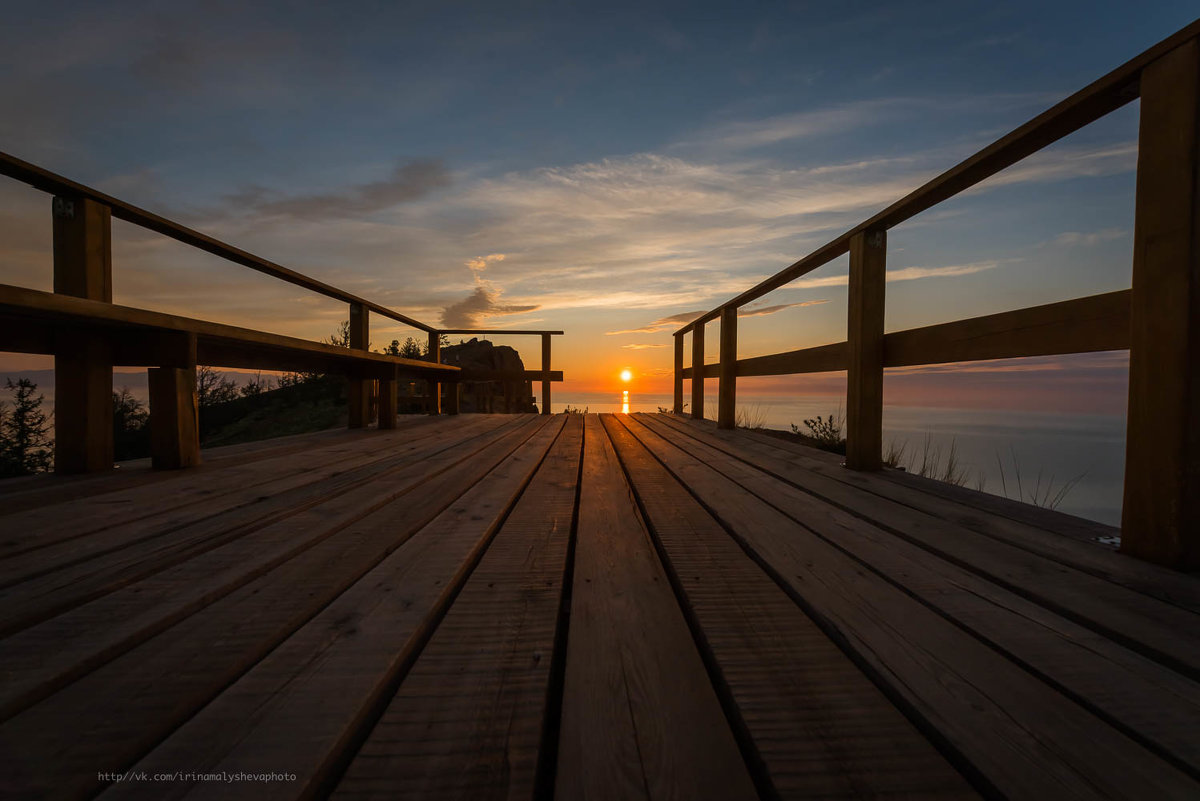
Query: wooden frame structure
<point>1157,320</point>
<point>88,335</point>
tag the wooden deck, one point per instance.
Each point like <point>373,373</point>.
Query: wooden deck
<point>573,607</point>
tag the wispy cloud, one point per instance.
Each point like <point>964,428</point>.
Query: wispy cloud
<point>480,263</point>
<point>858,115</point>
<point>759,311</point>
<point>408,182</point>
<point>1090,238</point>
<point>642,346</point>
<point>741,135</point>
<point>902,274</point>
<point>1064,162</point>
<point>683,318</point>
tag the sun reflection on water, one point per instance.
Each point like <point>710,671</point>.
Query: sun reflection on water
<point>625,402</point>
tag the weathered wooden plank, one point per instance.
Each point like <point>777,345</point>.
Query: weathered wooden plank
<point>1160,519</point>
<point>1147,701</point>
<point>332,678</point>
<point>1022,736</point>
<point>640,718</point>
<point>41,658</point>
<point>59,515</point>
<point>218,345</point>
<point>46,491</point>
<point>1119,604</point>
<point>821,359</point>
<point>1082,325</point>
<point>864,344</point>
<point>140,518</point>
<point>1034,533</point>
<point>467,721</point>
<point>820,727</point>
<point>118,712</point>
<point>698,372</point>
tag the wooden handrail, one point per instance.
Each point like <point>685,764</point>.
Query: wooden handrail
<point>1084,325</point>
<point>1089,104</point>
<point>47,181</point>
<point>172,346</point>
<point>1158,320</point>
<point>40,322</point>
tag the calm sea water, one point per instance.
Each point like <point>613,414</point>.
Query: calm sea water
<point>1015,454</point>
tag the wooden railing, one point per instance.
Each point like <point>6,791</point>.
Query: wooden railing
<point>87,335</point>
<point>1158,319</point>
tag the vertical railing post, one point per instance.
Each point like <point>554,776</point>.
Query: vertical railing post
<point>435,387</point>
<point>83,407</point>
<point>727,377</point>
<point>388,400</point>
<point>678,381</point>
<point>1160,520</point>
<point>545,374</point>
<point>864,379</point>
<point>360,389</point>
<point>174,410</point>
<point>698,371</point>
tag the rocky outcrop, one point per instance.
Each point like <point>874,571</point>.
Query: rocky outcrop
<point>490,396</point>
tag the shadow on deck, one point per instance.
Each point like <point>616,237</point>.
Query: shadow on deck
<point>578,607</point>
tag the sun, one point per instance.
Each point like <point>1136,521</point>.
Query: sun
<point>626,376</point>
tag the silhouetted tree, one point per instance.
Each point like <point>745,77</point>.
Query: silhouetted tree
<point>213,388</point>
<point>257,386</point>
<point>340,337</point>
<point>24,445</point>
<point>409,350</point>
<point>131,434</point>
<point>129,413</point>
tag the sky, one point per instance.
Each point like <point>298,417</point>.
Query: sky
<point>610,170</point>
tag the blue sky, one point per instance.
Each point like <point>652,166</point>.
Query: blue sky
<point>599,168</point>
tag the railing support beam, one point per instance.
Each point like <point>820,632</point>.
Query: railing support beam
<point>1160,521</point>
<point>864,379</point>
<point>698,372</point>
<point>388,402</point>
<point>678,381</point>
<point>174,409</point>
<point>545,374</point>
<point>727,378</point>
<point>83,436</point>
<point>435,387</point>
<point>359,391</point>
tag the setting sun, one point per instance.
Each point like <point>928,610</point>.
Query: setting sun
<point>626,376</point>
